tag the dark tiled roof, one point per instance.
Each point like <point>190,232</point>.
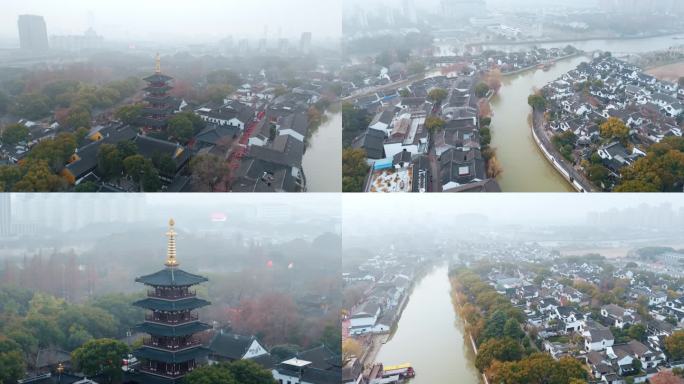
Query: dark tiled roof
<point>230,345</point>
<point>170,356</point>
<point>158,78</point>
<point>177,330</point>
<point>298,122</point>
<point>461,166</point>
<point>372,141</point>
<point>171,277</point>
<point>212,134</point>
<point>171,305</point>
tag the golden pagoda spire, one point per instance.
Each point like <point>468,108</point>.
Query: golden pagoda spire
<point>171,249</point>
<point>157,67</point>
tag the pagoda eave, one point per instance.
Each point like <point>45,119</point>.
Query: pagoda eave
<point>183,304</point>
<point>171,277</point>
<point>169,330</point>
<point>158,78</point>
<point>170,356</point>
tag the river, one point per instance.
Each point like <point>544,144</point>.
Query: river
<point>322,160</point>
<point>430,336</point>
<point>616,46</point>
<point>524,167</point>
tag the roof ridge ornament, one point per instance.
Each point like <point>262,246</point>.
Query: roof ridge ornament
<point>157,67</point>
<point>171,248</point>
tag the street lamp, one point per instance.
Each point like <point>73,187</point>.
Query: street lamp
<point>60,369</point>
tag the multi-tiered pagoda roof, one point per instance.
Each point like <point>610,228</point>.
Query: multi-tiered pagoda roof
<point>172,349</point>
<point>159,104</point>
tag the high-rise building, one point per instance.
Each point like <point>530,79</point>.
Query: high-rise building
<point>409,11</point>
<point>305,42</point>
<point>32,33</point>
<point>5,214</point>
<point>159,103</point>
<point>87,41</point>
<point>463,9</point>
<point>172,350</point>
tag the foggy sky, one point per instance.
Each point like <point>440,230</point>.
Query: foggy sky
<point>433,5</point>
<point>176,20</point>
<point>396,210</point>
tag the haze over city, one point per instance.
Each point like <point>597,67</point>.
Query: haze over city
<point>201,21</point>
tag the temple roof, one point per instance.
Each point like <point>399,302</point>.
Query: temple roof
<point>171,277</point>
<point>158,78</point>
<point>172,330</point>
<point>143,378</point>
<point>150,122</point>
<point>160,89</point>
<point>170,356</point>
<point>186,303</point>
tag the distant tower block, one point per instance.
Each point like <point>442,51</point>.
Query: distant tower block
<point>172,350</point>
<point>32,33</point>
<point>159,103</point>
<point>305,43</point>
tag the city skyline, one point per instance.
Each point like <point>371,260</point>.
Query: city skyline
<point>204,21</point>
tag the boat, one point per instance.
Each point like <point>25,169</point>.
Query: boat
<point>391,374</point>
<point>404,371</point>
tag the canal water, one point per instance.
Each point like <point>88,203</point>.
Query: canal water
<point>524,167</point>
<point>322,160</point>
<point>430,336</point>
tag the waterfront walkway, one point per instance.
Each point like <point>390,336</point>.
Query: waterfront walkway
<point>567,170</point>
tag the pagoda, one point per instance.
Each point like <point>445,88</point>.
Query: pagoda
<point>171,350</point>
<point>159,103</point>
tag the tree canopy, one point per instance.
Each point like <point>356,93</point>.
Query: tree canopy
<point>438,95</point>
<point>14,133</point>
<point>614,128</point>
<point>12,366</point>
<point>537,102</point>
<point>237,372</point>
<point>674,345</point>
<point>354,169</point>
<point>662,170</point>
<point>434,124</point>
<point>100,356</point>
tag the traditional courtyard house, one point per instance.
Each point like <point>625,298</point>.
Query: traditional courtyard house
<point>598,339</point>
<point>571,319</point>
<point>616,157</point>
<point>372,142</point>
<point>364,318</point>
<point>676,307</point>
<point>225,346</point>
<point>600,365</point>
<point>618,316</point>
<point>295,125</point>
<point>317,365</point>
<point>382,120</point>
<point>460,167</point>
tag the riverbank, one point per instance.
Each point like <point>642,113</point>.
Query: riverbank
<point>572,40</point>
<point>536,66</point>
<point>575,179</point>
<point>458,308</point>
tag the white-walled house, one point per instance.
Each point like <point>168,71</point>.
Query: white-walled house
<point>598,339</point>
<point>363,320</point>
<point>226,346</point>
